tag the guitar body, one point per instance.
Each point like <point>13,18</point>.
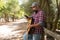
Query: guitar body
<point>31,29</point>
<point>30,21</point>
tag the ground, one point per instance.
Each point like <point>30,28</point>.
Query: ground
<point>13,30</point>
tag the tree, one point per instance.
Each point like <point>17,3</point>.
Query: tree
<point>11,6</point>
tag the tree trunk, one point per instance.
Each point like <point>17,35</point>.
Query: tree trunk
<point>56,18</point>
<point>6,17</point>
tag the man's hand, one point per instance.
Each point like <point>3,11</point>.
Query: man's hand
<point>33,25</point>
<point>29,25</point>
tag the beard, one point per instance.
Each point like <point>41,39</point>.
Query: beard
<point>35,11</point>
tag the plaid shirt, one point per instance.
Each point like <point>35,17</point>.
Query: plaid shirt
<point>39,17</point>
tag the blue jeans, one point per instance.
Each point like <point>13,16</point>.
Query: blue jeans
<point>32,36</point>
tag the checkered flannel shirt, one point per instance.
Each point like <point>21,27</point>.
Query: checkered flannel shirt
<point>38,17</point>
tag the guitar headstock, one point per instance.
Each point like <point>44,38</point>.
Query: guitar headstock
<point>29,19</point>
<point>26,16</point>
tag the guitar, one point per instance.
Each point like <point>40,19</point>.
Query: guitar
<point>30,20</point>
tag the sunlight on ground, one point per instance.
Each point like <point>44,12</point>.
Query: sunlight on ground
<point>7,31</point>
<point>4,31</point>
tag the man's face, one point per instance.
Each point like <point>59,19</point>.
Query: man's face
<point>34,8</point>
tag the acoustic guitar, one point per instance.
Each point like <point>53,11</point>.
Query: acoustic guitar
<point>30,20</point>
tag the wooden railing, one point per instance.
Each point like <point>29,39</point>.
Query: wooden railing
<point>53,34</point>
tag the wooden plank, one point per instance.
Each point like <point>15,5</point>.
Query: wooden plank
<point>54,35</point>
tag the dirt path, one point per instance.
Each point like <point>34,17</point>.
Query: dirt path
<point>13,30</point>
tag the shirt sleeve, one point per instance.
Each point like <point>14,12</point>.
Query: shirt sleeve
<point>41,18</point>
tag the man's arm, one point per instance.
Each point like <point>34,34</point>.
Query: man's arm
<point>41,17</point>
<point>35,25</point>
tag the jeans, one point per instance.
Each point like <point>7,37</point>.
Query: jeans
<point>32,36</point>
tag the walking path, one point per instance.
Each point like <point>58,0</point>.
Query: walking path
<point>13,30</point>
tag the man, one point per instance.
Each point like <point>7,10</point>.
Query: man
<point>39,19</point>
